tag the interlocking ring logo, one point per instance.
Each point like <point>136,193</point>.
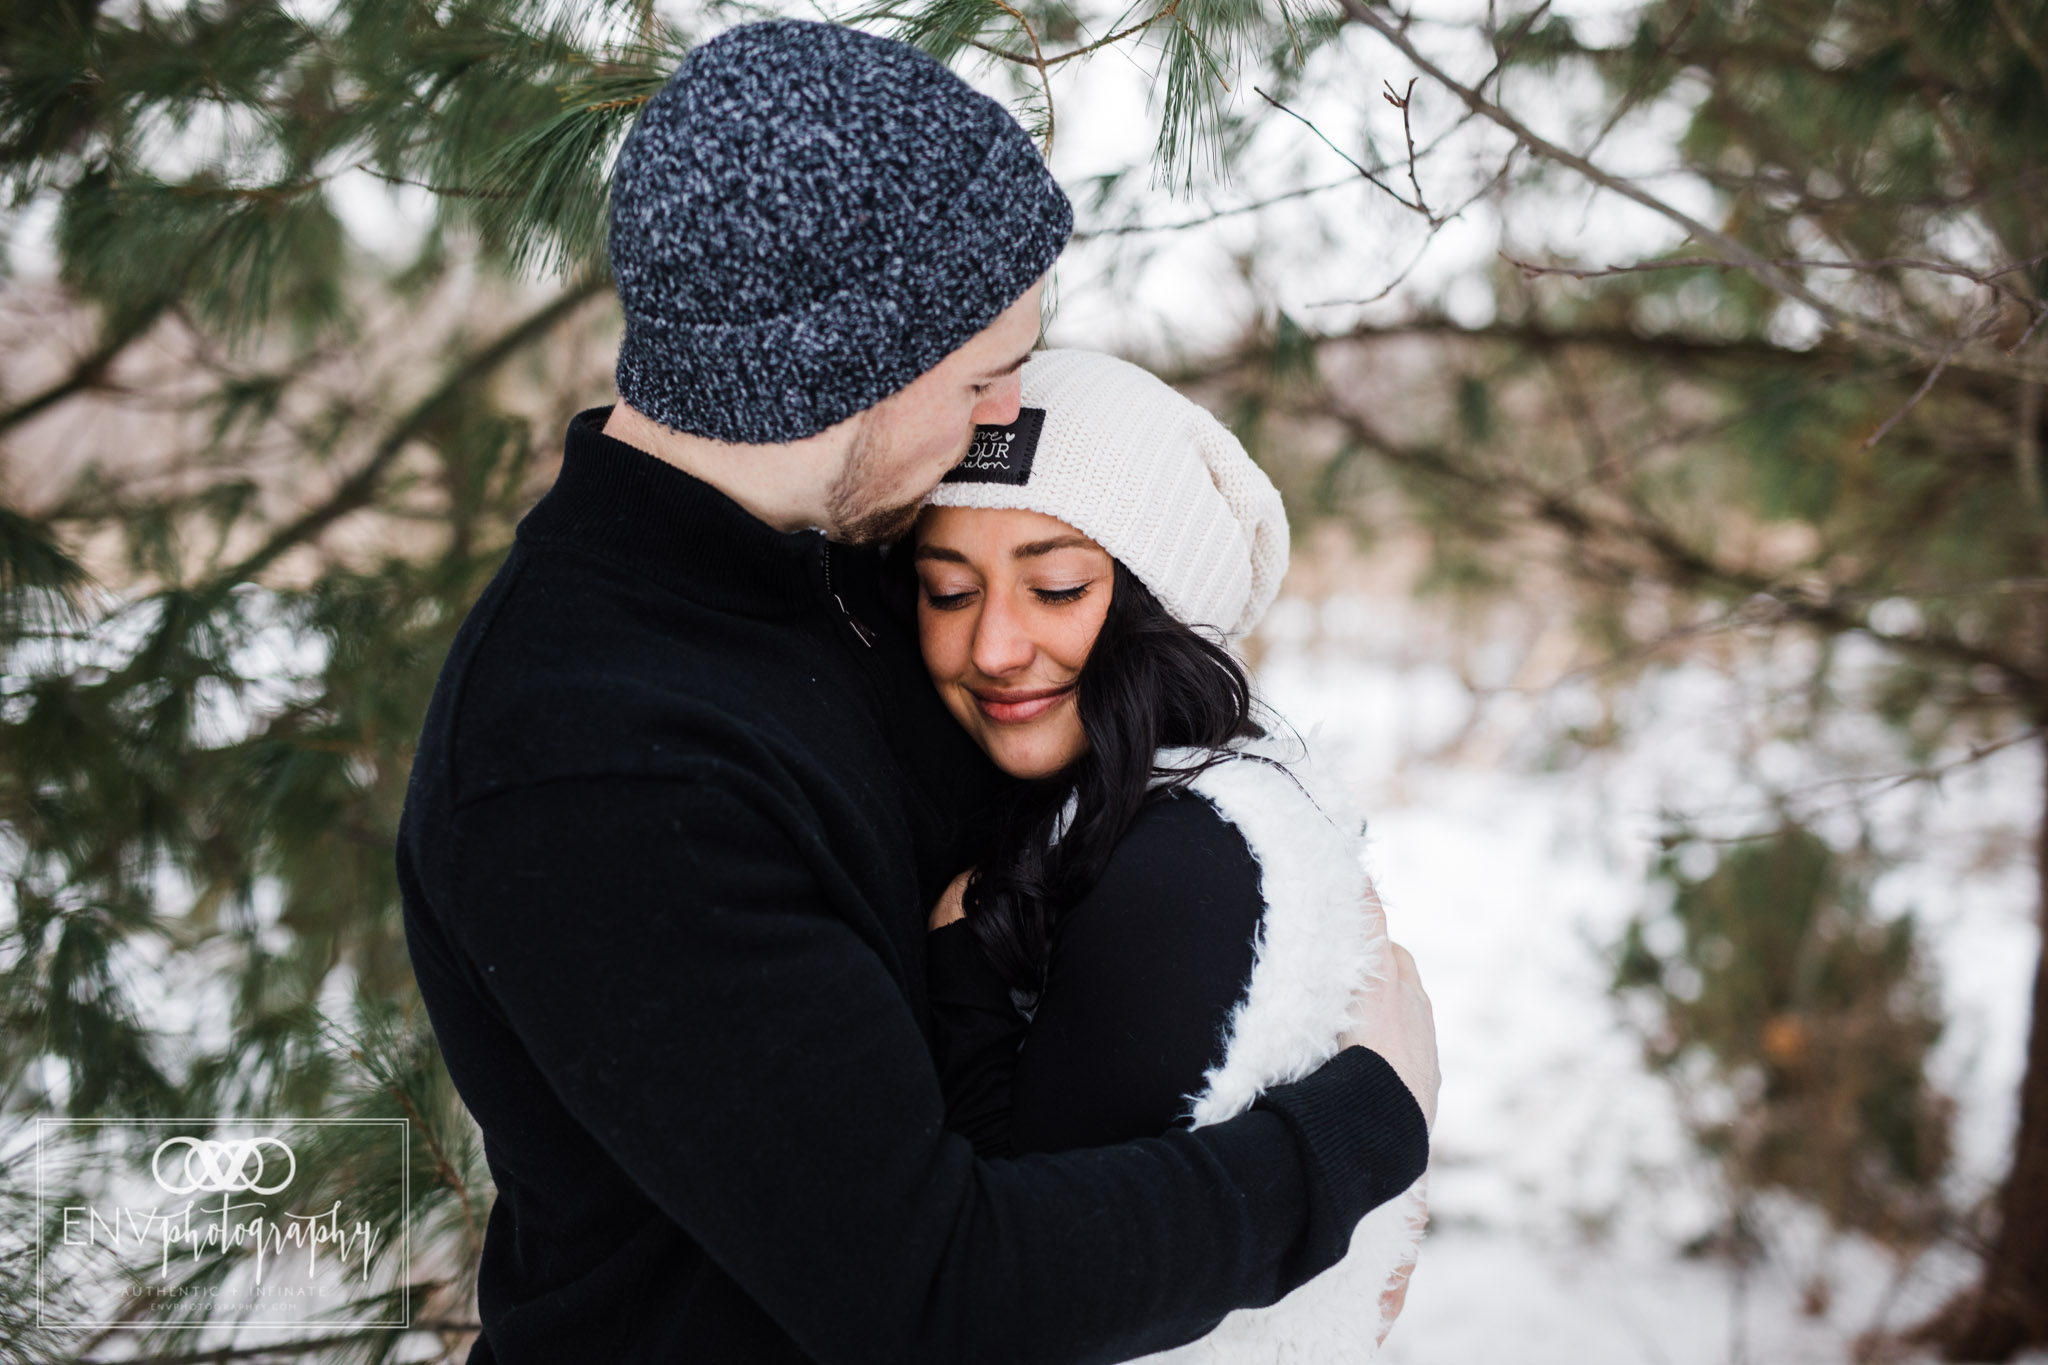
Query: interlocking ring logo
<point>217,1167</point>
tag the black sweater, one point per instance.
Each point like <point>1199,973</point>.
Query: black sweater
<point>672,831</point>
<point>1143,974</point>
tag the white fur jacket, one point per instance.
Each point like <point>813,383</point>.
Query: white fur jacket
<point>1321,931</point>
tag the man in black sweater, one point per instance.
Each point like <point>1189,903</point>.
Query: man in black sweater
<point>684,796</point>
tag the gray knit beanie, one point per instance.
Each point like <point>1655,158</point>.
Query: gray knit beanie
<point>807,218</point>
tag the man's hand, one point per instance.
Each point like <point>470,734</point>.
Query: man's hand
<point>952,902</point>
<point>1395,1296</point>
<point>1392,1016</point>
<point>1394,1299</point>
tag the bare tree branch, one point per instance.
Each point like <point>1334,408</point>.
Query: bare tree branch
<point>1926,385</point>
<point>1726,246</point>
<point>1140,229</point>
<point>1042,62</point>
<point>1037,60</point>
<point>1371,177</point>
<point>1987,278</point>
<point>87,373</point>
<point>1675,561</point>
<point>1403,101</point>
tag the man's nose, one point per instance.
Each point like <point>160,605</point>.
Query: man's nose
<point>1001,646</point>
<point>1001,403</point>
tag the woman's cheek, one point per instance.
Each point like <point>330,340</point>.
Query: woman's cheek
<point>1086,626</point>
<point>942,638</point>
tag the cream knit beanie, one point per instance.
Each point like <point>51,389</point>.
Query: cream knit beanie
<point>1143,472</point>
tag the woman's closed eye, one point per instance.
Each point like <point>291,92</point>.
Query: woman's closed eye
<point>1056,596</point>
<point>948,601</point>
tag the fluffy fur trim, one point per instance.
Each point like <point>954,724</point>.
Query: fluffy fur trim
<point>1321,932</point>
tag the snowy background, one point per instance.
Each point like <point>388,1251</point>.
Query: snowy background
<point>1563,1187</point>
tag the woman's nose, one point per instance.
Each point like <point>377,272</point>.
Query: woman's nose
<point>1001,645</point>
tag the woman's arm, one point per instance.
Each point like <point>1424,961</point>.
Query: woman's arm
<point>975,1026</point>
<point>1144,973</point>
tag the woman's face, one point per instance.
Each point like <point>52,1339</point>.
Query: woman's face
<point>1008,606</point>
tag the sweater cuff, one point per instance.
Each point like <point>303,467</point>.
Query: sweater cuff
<point>1363,1140</point>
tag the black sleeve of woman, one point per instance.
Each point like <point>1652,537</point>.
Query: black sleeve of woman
<point>1145,971</point>
<point>976,1029</point>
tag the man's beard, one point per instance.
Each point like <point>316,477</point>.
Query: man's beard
<point>854,518</point>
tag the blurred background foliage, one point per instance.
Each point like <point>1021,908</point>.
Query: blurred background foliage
<point>1815,1019</point>
<point>257,464</point>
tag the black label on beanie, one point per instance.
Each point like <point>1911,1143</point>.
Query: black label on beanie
<point>1001,454</point>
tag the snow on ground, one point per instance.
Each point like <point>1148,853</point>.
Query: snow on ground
<point>1563,1186</point>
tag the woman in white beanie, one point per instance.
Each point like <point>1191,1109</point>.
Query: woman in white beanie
<point>1174,914</point>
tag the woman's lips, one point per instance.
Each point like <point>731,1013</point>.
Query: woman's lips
<point>1014,708</point>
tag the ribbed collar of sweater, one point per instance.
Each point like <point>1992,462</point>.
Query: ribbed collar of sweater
<point>618,501</point>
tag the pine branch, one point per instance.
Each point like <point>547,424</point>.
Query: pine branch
<point>290,1350</point>
<point>87,373</point>
<point>358,490</point>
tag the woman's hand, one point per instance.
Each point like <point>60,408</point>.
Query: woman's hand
<point>952,902</point>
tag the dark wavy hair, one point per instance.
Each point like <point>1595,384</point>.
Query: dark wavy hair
<point>1150,682</point>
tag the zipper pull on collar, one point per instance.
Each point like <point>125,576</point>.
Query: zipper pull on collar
<point>860,630</point>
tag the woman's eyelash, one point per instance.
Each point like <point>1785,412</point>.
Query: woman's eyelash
<point>1061,594</point>
<point>951,601</point>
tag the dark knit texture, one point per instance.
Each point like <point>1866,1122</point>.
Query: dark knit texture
<point>672,834</point>
<point>1365,1140</point>
<point>807,218</point>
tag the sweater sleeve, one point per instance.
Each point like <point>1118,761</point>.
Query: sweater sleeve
<point>976,1030</point>
<point>671,958</point>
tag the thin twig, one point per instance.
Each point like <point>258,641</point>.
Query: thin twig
<point>446,1168</point>
<point>1140,229</point>
<point>1350,160</point>
<point>1041,61</point>
<point>1037,60</point>
<point>1402,102</point>
<point>2028,335</point>
<point>1642,82</point>
<point>1428,240</point>
<point>1883,782</point>
<point>445,191</point>
<point>1913,402</point>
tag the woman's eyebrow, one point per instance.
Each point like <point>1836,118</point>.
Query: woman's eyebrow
<point>1031,549</point>
<point>939,552</point>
